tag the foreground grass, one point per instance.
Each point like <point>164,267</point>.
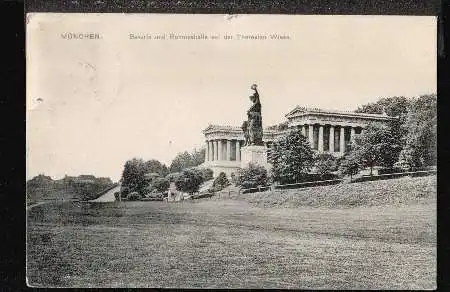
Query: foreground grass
<point>230,244</point>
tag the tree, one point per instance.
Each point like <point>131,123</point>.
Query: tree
<point>397,106</point>
<point>154,166</point>
<point>350,165</point>
<point>375,146</point>
<point>392,106</point>
<point>189,181</point>
<point>325,163</point>
<point>198,157</point>
<point>251,176</point>
<point>291,157</point>
<point>421,127</point>
<point>133,177</point>
<point>184,160</point>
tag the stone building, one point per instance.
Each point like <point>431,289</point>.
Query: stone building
<point>328,131</point>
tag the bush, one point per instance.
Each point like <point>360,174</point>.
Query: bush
<point>161,184</point>
<point>117,196</point>
<point>124,191</point>
<point>220,182</point>
<point>134,196</point>
<point>207,173</point>
<point>235,178</point>
<point>172,177</point>
<point>189,181</point>
<point>252,176</point>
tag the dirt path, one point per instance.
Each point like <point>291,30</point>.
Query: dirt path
<point>34,205</point>
<point>108,196</point>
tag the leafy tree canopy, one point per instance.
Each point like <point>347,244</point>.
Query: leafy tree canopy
<point>393,106</point>
<point>138,174</point>
<point>350,165</point>
<point>421,133</point>
<point>375,146</point>
<point>184,160</point>
<point>291,157</point>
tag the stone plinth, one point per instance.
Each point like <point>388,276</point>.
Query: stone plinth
<point>254,154</point>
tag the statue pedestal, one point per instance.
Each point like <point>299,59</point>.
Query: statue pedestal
<point>255,155</point>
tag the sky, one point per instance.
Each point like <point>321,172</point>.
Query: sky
<point>93,104</point>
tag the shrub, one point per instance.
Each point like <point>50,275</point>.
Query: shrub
<point>252,176</point>
<point>220,182</point>
<point>172,177</point>
<point>189,181</point>
<point>134,196</point>
<point>124,191</point>
<point>207,173</point>
<point>161,184</point>
<point>235,178</point>
<point>117,196</point>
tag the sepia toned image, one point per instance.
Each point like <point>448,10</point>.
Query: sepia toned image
<point>231,151</point>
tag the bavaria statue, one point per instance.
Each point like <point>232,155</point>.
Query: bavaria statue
<point>252,128</point>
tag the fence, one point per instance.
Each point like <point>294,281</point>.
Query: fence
<point>394,175</point>
<point>337,181</point>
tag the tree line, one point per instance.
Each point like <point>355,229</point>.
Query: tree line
<point>407,142</point>
<point>152,178</point>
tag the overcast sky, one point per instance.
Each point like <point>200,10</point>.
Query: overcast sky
<point>93,104</point>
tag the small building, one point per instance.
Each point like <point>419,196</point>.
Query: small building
<point>328,131</point>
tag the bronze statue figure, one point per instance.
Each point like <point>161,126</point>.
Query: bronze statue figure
<point>253,127</point>
<point>244,128</point>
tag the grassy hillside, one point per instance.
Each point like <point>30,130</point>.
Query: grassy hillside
<point>43,188</point>
<point>386,192</point>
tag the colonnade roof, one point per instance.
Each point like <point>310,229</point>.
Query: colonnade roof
<point>303,111</point>
<point>227,128</point>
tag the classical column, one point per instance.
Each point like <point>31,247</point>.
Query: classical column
<point>320,142</point>
<point>211,151</point>
<point>352,134</point>
<point>311,135</point>
<point>303,130</point>
<point>229,150</point>
<point>219,150</point>
<point>342,140</point>
<point>216,150</point>
<point>331,150</point>
<point>238,150</point>
<point>206,151</point>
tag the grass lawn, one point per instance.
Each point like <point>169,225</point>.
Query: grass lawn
<point>242,242</point>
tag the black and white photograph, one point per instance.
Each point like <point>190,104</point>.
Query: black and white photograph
<point>231,151</point>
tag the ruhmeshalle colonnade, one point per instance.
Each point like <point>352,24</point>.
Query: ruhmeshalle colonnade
<point>327,131</point>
